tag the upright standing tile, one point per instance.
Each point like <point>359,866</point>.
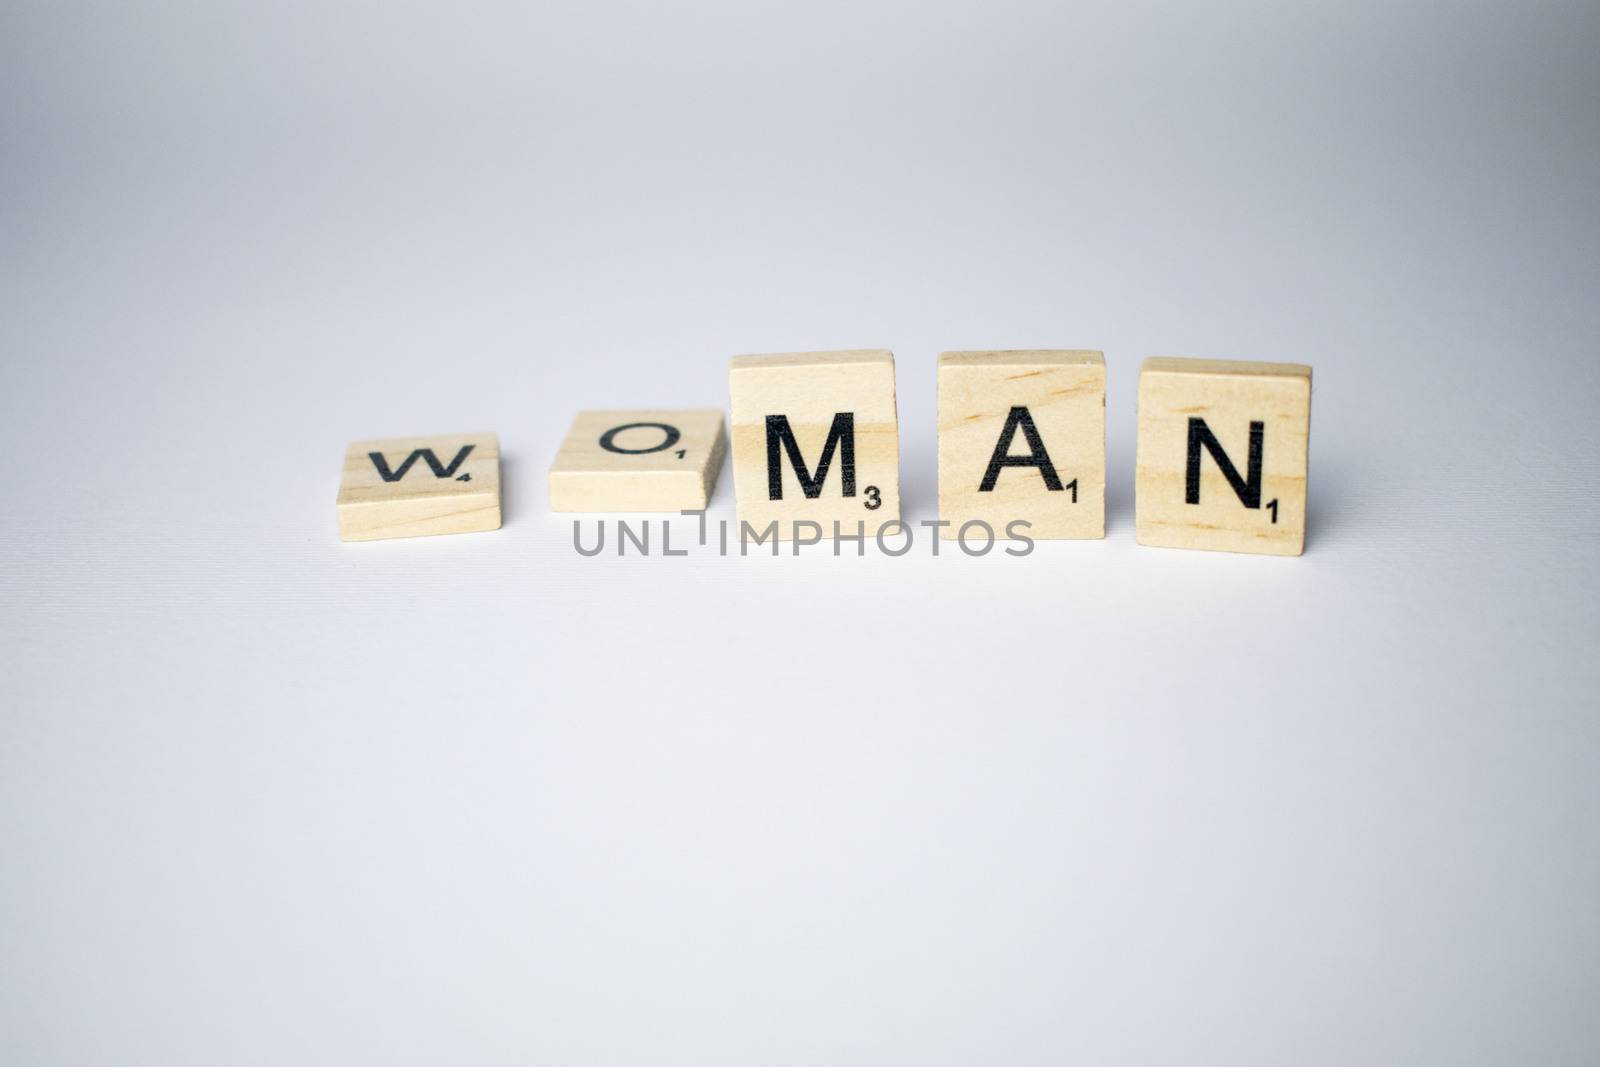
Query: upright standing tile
<point>816,438</point>
<point>1222,455</point>
<point>415,486</point>
<point>638,461</point>
<point>1022,436</point>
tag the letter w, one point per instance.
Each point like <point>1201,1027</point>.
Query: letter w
<point>426,455</point>
<point>841,436</point>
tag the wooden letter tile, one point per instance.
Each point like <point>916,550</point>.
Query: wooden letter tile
<point>1022,435</point>
<point>638,461</point>
<point>1222,455</point>
<point>414,486</point>
<point>816,438</point>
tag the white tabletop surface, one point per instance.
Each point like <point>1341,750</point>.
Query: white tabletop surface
<point>267,798</point>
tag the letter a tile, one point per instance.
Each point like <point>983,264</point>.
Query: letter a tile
<point>638,461</point>
<point>816,438</point>
<point>1022,436</point>
<point>415,486</point>
<point>1222,455</point>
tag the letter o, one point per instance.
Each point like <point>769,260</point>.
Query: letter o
<point>988,531</point>
<point>902,529</point>
<point>608,439</point>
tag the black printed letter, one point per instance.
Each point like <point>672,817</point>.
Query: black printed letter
<point>841,435</point>
<point>1248,488</point>
<point>608,440</point>
<point>424,454</point>
<point>1036,457</point>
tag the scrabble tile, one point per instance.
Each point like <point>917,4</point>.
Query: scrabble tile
<point>415,486</point>
<point>1222,455</point>
<point>816,437</point>
<point>1022,435</point>
<point>638,461</point>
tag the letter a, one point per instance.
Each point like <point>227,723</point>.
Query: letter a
<point>1036,457</point>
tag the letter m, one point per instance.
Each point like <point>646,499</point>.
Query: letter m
<point>424,454</point>
<point>780,439</point>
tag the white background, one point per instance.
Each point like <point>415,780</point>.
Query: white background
<point>267,798</point>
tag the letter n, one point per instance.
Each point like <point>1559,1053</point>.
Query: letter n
<point>1248,488</point>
